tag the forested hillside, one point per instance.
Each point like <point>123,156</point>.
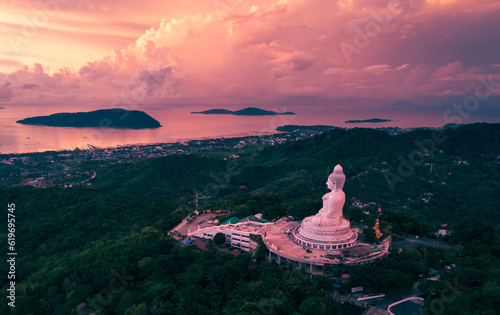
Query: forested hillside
<point>462,172</point>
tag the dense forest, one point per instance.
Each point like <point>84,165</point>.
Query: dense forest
<point>104,249</point>
<point>462,173</point>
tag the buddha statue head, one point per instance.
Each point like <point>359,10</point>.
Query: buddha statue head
<point>337,178</point>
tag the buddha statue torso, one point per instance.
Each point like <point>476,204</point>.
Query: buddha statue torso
<point>333,202</point>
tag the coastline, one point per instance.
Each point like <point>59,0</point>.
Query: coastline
<point>303,130</point>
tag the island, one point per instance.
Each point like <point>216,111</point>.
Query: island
<point>103,118</point>
<point>1,107</point>
<point>372,120</point>
<point>249,111</point>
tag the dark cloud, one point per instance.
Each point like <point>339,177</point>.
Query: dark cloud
<point>29,86</point>
<point>151,79</point>
<point>300,63</point>
<point>95,70</point>
<point>5,92</point>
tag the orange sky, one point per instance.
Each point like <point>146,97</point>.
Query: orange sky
<point>248,52</point>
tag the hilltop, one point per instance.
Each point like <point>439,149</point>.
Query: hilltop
<point>103,118</point>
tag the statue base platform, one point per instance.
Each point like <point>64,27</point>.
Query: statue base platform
<point>325,237</point>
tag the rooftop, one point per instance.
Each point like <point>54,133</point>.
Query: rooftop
<point>244,227</point>
<point>359,250</point>
<point>372,310</point>
<point>232,220</point>
<point>205,221</point>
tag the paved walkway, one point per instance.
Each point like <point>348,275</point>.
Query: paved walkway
<point>200,221</point>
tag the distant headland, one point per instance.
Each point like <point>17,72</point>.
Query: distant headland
<point>249,111</point>
<point>373,120</point>
<point>104,118</point>
<point>1,107</point>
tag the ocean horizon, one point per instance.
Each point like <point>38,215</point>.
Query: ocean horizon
<point>178,124</point>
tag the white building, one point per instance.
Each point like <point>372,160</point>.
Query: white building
<point>237,235</point>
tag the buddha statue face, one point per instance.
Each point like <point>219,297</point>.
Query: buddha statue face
<point>330,184</point>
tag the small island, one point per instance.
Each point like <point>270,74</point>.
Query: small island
<point>1,107</point>
<point>372,120</point>
<point>104,118</point>
<point>249,111</point>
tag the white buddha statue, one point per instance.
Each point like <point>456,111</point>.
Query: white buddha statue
<point>328,229</point>
<point>333,202</point>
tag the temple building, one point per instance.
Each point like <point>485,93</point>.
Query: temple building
<point>324,242</point>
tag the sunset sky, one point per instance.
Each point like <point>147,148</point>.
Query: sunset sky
<point>246,52</point>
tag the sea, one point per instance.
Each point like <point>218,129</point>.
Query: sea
<point>178,124</point>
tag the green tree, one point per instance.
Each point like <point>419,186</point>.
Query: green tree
<point>319,305</point>
<point>491,294</point>
<point>302,208</point>
<point>141,309</point>
<point>370,235</point>
<point>219,238</point>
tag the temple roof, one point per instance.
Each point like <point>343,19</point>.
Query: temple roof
<point>357,251</point>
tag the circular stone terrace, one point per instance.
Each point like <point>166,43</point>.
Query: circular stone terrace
<point>334,238</point>
<point>281,240</point>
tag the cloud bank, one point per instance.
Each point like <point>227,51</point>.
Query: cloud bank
<point>265,51</point>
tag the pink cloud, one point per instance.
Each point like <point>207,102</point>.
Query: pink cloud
<point>377,69</point>
<point>402,67</point>
<point>267,51</point>
<point>448,70</point>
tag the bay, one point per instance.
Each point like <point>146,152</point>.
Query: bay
<point>178,124</point>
